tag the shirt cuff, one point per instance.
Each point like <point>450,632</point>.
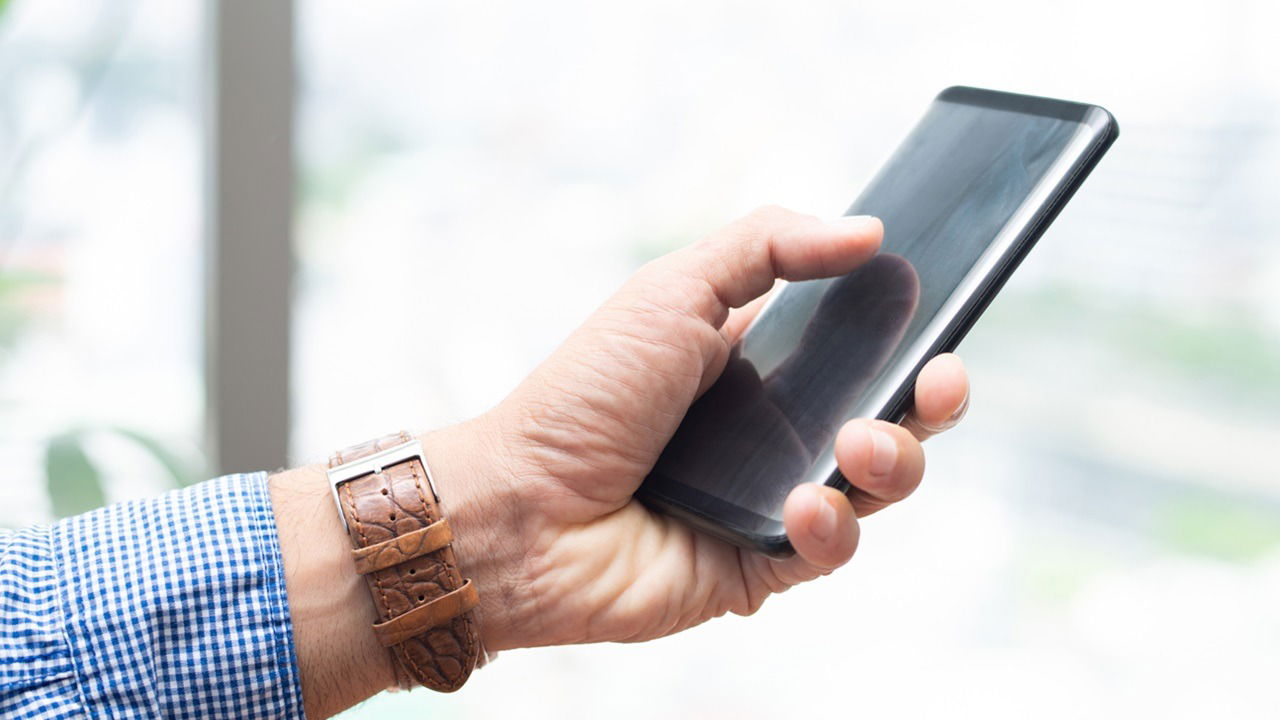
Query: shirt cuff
<point>175,607</point>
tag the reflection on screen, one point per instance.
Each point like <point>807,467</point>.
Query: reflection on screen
<point>824,348</point>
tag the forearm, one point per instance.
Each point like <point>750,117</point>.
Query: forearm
<point>340,661</point>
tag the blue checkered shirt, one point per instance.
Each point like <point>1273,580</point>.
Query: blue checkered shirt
<point>166,608</point>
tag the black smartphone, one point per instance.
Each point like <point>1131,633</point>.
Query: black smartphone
<point>963,199</point>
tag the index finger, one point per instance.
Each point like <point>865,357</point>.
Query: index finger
<point>741,262</point>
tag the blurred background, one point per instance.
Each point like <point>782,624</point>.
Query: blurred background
<point>213,216</point>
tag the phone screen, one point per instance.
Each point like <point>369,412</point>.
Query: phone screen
<point>825,351</point>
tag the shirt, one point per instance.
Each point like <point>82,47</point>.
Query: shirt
<point>173,607</point>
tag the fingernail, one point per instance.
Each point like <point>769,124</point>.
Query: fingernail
<point>884,452</point>
<point>958,415</point>
<point>950,422</point>
<point>853,222</point>
<point>823,525</point>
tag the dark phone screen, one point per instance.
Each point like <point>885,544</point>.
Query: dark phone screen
<point>828,350</point>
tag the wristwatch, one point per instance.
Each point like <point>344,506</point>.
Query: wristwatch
<point>403,546</point>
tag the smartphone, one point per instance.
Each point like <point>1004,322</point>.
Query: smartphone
<point>963,199</point>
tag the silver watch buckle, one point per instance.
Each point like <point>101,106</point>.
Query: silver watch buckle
<point>374,464</point>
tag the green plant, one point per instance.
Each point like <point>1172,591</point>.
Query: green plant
<point>75,482</point>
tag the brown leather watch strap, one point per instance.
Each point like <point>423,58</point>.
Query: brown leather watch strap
<point>424,617</point>
<point>403,548</point>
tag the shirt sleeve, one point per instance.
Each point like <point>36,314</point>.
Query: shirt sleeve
<point>167,608</point>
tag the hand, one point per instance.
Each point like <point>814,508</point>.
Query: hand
<point>540,488</point>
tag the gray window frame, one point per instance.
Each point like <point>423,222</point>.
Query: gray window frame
<point>249,73</point>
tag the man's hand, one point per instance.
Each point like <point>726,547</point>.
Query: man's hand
<point>539,489</point>
<point>568,448</point>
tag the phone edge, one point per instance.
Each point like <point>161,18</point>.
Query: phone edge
<point>897,410</point>
<point>779,546</point>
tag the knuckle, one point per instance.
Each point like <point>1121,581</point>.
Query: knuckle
<point>653,267</point>
<point>769,212</point>
<point>661,271</point>
<point>766,217</point>
<point>750,605</point>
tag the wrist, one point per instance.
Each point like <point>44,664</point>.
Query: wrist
<point>481,497</point>
<point>340,663</point>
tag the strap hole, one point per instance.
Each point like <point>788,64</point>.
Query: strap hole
<point>421,598</point>
<point>393,517</point>
<point>384,491</point>
<point>413,571</point>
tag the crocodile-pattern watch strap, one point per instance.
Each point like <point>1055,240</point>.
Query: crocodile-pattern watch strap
<point>402,547</point>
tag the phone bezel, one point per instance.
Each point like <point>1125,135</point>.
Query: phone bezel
<point>724,521</point>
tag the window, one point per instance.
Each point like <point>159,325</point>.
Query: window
<point>100,269</point>
<point>496,169</point>
<point>1102,536</point>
